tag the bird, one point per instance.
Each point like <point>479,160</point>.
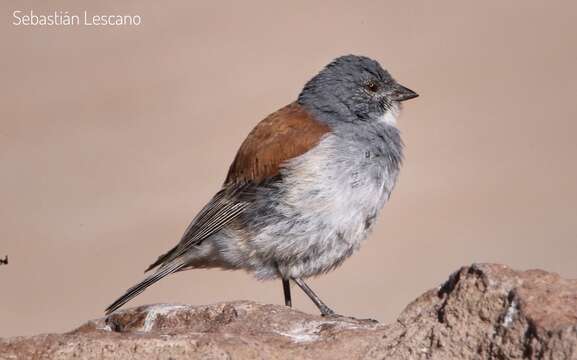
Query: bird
<point>305,187</point>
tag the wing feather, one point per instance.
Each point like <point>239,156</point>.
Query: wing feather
<point>281,136</point>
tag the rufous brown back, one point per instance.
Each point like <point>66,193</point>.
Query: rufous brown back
<point>281,136</point>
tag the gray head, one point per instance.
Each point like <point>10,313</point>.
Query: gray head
<point>354,88</point>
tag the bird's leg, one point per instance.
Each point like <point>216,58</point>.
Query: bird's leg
<point>325,310</point>
<point>286,286</point>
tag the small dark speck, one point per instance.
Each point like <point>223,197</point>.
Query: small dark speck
<point>369,220</point>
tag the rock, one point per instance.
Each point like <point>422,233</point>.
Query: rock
<point>483,311</point>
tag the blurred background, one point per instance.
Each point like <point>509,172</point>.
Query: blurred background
<point>112,138</point>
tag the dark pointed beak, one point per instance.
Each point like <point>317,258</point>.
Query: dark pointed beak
<point>401,93</point>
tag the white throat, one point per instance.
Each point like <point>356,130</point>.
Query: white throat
<point>390,116</point>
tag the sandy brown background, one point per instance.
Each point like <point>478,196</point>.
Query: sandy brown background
<point>112,138</point>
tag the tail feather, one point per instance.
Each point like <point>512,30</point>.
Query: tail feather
<point>140,287</point>
<point>161,259</point>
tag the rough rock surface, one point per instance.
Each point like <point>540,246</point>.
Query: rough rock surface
<point>482,312</point>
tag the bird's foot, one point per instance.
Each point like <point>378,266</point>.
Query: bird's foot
<point>328,312</point>
<point>369,321</point>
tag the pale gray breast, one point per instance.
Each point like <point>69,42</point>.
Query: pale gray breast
<point>317,215</point>
<point>345,181</point>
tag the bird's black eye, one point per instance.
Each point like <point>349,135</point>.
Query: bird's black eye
<point>372,86</point>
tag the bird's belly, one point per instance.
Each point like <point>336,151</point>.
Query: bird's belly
<point>323,210</point>
<point>330,225</point>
